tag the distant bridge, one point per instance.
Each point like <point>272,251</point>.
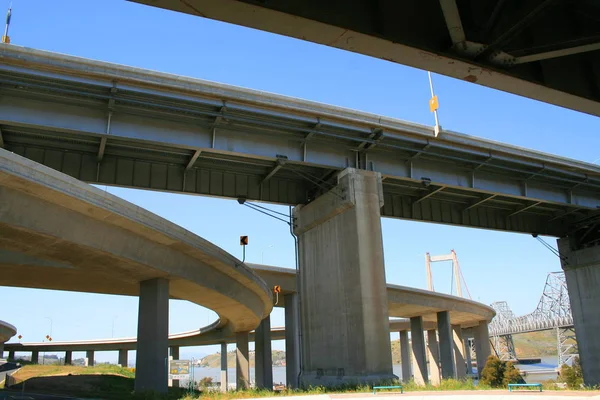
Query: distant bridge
<point>552,312</point>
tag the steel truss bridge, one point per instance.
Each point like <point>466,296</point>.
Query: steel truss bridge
<point>552,312</point>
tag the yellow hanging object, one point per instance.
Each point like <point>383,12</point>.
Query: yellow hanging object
<point>433,104</point>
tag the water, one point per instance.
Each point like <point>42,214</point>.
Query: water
<point>279,375</point>
<point>548,363</point>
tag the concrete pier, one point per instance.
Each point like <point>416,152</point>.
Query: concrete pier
<point>174,353</point>
<point>433,355</point>
<point>459,352</point>
<point>418,351</point>
<point>263,356</point>
<point>405,356</point>
<point>342,284</point>
<point>35,357</point>
<point>242,362</point>
<point>482,345</point>
<point>292,340</point>
<point>446,345</point>
<point>68,357</point>
<point>11,355</point>
<point>90,357</point>
<point>123,358</point>
<point>224,377</point>
<point>153,336</point>
<point>582,272</point>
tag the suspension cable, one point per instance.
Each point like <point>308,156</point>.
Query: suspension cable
<point>451,281</point>
<point>462,278</point>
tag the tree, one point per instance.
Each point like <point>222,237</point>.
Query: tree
<point>497,373</point>
<point>493,372</point>
<point>572,375</point>
<point>206,381</point>
<point>512,375</point>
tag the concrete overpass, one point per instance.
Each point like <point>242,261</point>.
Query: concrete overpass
<point>81,238</point>
<point>6,332</point>
<point>342,169</point>
<point>115,125</point>
<point>404,302</point>
<point>542,49</point>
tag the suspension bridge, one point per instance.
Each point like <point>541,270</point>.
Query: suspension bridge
<point>553,312</point>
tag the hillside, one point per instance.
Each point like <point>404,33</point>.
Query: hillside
<point>537,344</point>
<point>214,360</point>
<point>534,344</point>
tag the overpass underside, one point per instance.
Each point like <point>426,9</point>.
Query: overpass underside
<point>547,50</point>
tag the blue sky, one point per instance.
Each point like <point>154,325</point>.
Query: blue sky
<point>496,265</point>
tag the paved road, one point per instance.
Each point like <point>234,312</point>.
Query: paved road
<point>5,368</point>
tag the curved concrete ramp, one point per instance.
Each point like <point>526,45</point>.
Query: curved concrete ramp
<point>59,233</point>
<point>73,236</point>
<point>403,302</point>
<point>6,332</point>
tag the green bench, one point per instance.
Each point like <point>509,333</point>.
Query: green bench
<point>376,388</point>
<point>514,385</point>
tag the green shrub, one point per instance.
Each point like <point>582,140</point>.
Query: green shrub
<point>498,373</point>
<point>206,382</point>
<point>572,375</point>
<point>511,375</point>
<point>493,372</point>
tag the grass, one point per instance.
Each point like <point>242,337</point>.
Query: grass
<point>34,370</point>
<point>445,385</point>
<point>450,384</point>
<point>103,381</point>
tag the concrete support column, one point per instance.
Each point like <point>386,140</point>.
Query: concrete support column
<point>469,360</point>
<point>1,350</point>
<point>174,352</point>
<point>292,340</point>
<point>418,351</point>
<point>263,356</point>
<point>434,357</point>
<point>582,272</point>
<point>224,376</point>
<point>153,336</point>
<point>35,357</point>
<point>459,352</point>
<point>405,356</point>
<point>446,345</point>
<point>174,355</point>
<point>242,364</point>
<point>90,356</point>
<point>68,357</point>
<point>482,345</point>
<point>11,355</point>
<point>344,308</point>
<point>123,358</point>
